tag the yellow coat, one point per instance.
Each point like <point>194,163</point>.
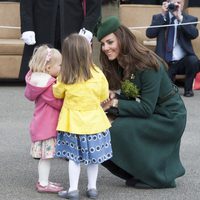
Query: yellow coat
<point>81,112</point>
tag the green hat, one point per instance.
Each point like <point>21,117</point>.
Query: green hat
<point>110,25</point>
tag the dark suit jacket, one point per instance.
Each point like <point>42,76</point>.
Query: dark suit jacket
<point>185,33</point>
<point>154,2</point>
<point>193,3</point>
<point>41,16</point>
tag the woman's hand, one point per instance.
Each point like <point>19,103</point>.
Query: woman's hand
<point>112,95</point>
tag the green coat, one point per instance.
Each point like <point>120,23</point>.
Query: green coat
<point>146,135</point>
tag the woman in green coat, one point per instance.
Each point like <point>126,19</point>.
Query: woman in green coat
<point>150,116</point>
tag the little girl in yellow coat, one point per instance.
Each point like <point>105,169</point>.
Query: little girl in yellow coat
<point>83,127</point>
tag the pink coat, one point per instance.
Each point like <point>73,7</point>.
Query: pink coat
<point>47,109</point>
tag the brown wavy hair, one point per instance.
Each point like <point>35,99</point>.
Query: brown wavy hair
<point>77,59</point>
<point>133,56</point>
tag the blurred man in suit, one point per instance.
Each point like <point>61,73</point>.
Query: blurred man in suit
<point>174,42</point>
<point>50,21</point>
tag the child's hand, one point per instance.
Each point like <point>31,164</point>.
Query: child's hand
<point>109,103</point>
<point>106,104</point>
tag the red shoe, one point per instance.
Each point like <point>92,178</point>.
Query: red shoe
<point>49,188</point>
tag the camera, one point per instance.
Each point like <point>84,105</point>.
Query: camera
<point>172,7</point>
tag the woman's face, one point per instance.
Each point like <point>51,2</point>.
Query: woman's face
<point>110,46</point>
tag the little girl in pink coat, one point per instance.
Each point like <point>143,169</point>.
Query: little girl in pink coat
<point>44,68</point>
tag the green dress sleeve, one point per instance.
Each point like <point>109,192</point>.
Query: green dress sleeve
<point>148,82</point>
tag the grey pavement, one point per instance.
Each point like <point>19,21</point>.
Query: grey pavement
<point>18,171</point>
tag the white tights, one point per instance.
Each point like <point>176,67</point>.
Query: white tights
<point>74,173</point>
<point>44,166</point>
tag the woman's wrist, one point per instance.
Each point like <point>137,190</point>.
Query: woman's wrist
<point>115,103</point>
<point>112,94</point>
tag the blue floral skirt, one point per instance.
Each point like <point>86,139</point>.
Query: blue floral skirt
<point>87,149</point>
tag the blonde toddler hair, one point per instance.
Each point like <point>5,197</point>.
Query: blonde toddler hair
<point>43,56</point>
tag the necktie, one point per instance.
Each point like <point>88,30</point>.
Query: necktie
<point>170,41</point>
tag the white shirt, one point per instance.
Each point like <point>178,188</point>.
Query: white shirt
<point>178,52</point>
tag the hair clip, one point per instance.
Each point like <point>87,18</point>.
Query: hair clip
<point>48,56</point>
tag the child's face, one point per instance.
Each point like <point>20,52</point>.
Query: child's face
<point>54,69</point>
